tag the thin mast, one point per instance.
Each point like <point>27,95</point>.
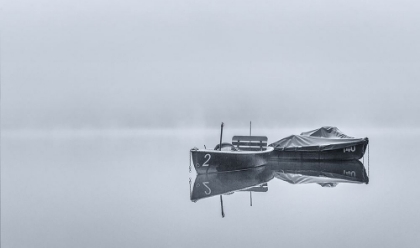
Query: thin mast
<point>250,192</point>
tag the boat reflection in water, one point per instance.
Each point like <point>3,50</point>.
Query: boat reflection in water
<point>213,184</point>
<point>324,173</point>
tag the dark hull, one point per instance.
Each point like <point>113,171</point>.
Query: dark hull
<point>348,153</point>
<point>209,161</point>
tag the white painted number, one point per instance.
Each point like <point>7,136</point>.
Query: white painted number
<point>349,149</point>
<point>205,184</point>
<point>208,159</point>
<point>349,173</point>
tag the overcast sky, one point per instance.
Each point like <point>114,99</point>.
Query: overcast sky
<point>107,64</point>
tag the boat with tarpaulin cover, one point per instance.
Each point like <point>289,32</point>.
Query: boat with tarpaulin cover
<point>325,143</point>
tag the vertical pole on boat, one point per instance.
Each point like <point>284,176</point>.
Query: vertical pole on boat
<point>221,203</point>
<point>221,134</point>
<point>250,192</point>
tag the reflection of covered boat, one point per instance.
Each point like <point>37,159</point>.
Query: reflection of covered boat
<point>212,184</point>
<point>326,143</point>
<point>325,173</point>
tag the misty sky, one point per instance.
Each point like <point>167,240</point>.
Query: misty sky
<point>133,64</point>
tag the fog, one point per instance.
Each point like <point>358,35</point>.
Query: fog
<point>101,100</point>
<point>142,64</point>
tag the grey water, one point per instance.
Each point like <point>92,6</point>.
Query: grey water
<point>130,188</point>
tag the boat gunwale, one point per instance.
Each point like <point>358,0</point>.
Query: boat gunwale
<point>268,150</point>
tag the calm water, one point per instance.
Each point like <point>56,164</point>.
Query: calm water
<point>131,189</point>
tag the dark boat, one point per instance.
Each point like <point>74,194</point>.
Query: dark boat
<point>325,143</point>
<point>245,152</point>
<point>325,173</point>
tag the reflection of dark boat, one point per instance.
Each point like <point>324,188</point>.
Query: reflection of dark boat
<point>325,173</point>
<point>213,184</point>
<point>326,143</point>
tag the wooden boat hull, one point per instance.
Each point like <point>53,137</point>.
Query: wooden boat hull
<point>211,161</point>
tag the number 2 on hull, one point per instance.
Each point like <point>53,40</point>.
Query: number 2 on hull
<point>208,156</point>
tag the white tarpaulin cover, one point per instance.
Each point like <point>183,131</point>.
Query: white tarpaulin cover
<point>324,138</point>
<point>327,132</point>
<point>322,180</point>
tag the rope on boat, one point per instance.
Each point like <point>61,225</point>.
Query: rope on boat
<point>368,161</point>
<point>190,188</point>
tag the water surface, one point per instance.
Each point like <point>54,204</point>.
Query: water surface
<point>131,189</point>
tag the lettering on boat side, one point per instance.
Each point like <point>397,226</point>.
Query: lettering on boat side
<point>205,185</point>
<point>208,159</point>
<point>349,173</point>
<point>349,149</point>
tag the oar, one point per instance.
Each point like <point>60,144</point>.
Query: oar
<point>250,198</point>
<point>221,134</point>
